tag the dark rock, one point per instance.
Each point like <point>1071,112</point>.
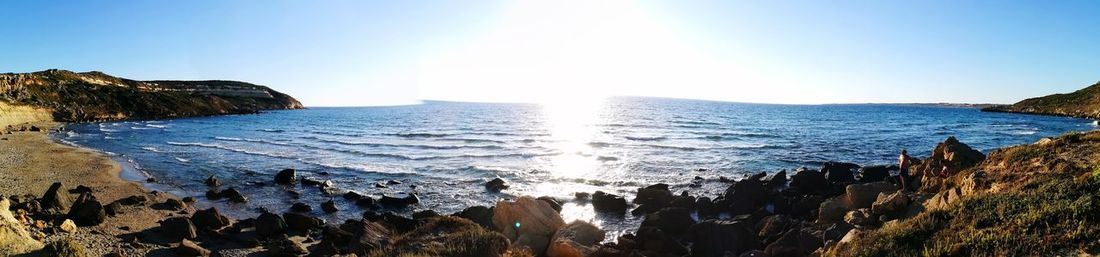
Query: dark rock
<point>778,181</point>
<point>367,202</point>
<point>478,214</point>
<point>553,202</point>
<point>113,208</point>
<point>399,201</point>
<point>772,227</point>
<point>188,248</point>
<point>496,185</point>
<point>713,238</point>
<point>178,228</point>
<point>380,185</point>
<point>604,202</point>
<point>80,189</point>
<point>233,195</point>
<point>329,206</point>
<point>151,180</point>
<point>809,181</point>
<point>707,208</point>
<point>652,198</point>
<point>393,182</point>
<point>312,182</point>
<point>758,176</point>
<point>213,194</point>
<point>352,195</point>
<point>399,223</point>
<point>370,237</point>
<point>657,241</point>
<point>87,211</point>
<point>294,194</point>
<point>302,222</point>
<point>286,177</point>
<point>746,196</point>
<point>134,200</point>
<point>836,232</point>
<point>300,207</point>
<point>209,219</point>
<point>839,172</point>
<point>284,247</point>
<point>270,225</point>
<point>794,243</point>
<point>212,181</point>
<point>175,204</point>
<point>674,221</point>
<point>425,214</point>
<point>67,247</point>
<point>582,196</point>
<point>55,199</point>
<point>875,173</point>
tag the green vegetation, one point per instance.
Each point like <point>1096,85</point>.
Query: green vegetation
<point>1055,214</point>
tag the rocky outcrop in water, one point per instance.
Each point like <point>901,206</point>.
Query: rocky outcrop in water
<point>94,96</point>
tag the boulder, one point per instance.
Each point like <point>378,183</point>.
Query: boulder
<point>890,204</point>
<point>839,172</point>
<point>209,219</point>
<point>657,194</point>
<point>213,194</point>
<point>302,222</point>
<point>496,185</point>
<point>831,210</point>
<point>329,206</point>
<point>478,214</point>
<point>352,195</point>
<point>67,226</point>
<point>301,207</point>
<point>794,243</point>
<point>528,219</point>
<point>975,182</point>
<point>400,201</point>
<point>134,200</point>
<point>286,177</point>
<point>233,195</point>
<point>836,232</point>
<point>875,173</point>
<point>658,242</point>
<point>189,248</point>
<point>283,246</point>
<point>772,227</point>
<point>113,209</point>
<point>87,211</point>
<point>858,196</point>
<point>56,199</point>
<point>66,247</point>
<point>270,225</point>
<point>746,196</point>
<point>713,238</point>
<point>674,221</point>
<point>861,218</point>
<point>809,181</point>
<point>425,214</point>
<point>943,200</point>
<point>777,181</point>
<point>174,204</point>
<point>366,201</point>
<point>212,181</point>
<point>14,237</point>
<point>554,203</point>
<point>578,238</point>
<point>178,228</point>
<point>604,202</point>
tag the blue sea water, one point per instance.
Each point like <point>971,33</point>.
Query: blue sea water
<point>445,151</point>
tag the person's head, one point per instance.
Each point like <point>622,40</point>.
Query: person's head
<point>903,152</point>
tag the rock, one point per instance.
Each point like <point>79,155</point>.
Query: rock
<point>212,181</point>
<point>746,196</point>
<point>772,227</point>
<point>366,201</point>
<point>188,248</point>
<point>604,202</point>
<point>285,177</point>
<point>478,214</point>
<point>777,181</point>
<point>175,204</point>
<point>831,210</point>
<point>890,204</point>
<point>14,237</point>
<point>875,173</point>
<point>329,206</point>
<point>974,183</point>
<point>56,200</point>
<point>178,228</point>
<point>393,182</point>
<point>80,189</point>
<point>836,231</point>
<point>578,238</point>
<point>862,218</point>
<point>794,243</point>
<point>380,185</point>
<point>674,221</point>
<point>209,219</point>
<point>113,209</point>
<point>496,185</point>
<point>858,196</point>
<point>67,247</point>
<point>67,226</point>
<point>553,202</point>
<point>943,200</point>
<point>424,215</point>
<point>527,219</point>
<point>809,181</point>
<point>371,236</point>
<point>713,238</point>
<point>87,211</point>
<point>134,200</point>
<point>582,196</point>
<point>302,222</point>
<point>657,194</point>
<point>300,207</point>
<point>399,201</point>
<point>213,194</point>
<point>839,172</point>
<point>658,242</point>
<point>270,225</point>
<point>352,195</point>
<point>233,195</point>
<point>283,246</point>
<point>399,223</point>
<point>707,208</point>
<point>188,200</point>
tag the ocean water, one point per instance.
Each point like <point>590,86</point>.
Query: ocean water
<point>445,151</point>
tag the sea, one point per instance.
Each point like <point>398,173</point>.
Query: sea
<point>445,151</point>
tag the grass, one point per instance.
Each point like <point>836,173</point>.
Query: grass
<point>447,236</point>
<point>1058,215</point>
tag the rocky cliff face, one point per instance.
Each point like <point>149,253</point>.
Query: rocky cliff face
<point>92,96</point>
<point>1084,103</point>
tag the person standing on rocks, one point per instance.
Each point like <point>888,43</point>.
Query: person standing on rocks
<point>903,168</point>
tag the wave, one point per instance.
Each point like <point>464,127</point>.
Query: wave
<point>102,129</point>
<point>273,130</point>
<point>140,128</point>
<point>151,149</point>
<point>232,149</point>
<point>643,138</point>
<point>474,140</point>
<point>156,126</point>
<point>429,147</point>
<point>182,159</point>
<point>419,135</point>
<point>692,122</point>
<point>235,139</point>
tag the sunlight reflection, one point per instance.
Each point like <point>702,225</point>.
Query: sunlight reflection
<point>571,126</point>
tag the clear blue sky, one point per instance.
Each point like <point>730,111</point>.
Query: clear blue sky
<point>352,53</point>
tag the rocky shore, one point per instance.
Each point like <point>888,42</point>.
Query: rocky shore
<point>64,201</point>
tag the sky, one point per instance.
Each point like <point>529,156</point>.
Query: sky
<point>365,53</point>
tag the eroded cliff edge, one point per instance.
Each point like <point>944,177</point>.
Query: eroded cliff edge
<point>95,96</point>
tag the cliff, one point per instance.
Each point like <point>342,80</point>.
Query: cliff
<point>91,96</point>
<point>1084,103</point>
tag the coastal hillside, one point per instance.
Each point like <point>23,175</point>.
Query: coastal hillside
<point>1084,103</point>
<point>92,96</point>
